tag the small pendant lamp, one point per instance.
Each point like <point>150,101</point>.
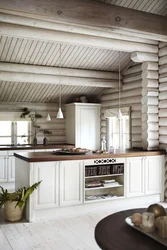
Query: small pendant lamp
<point>60,113</point>
<point>48,118</point>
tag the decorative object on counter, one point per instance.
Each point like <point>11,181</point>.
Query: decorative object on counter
<point>161,224</point>
<point>111,150</point>
<point>14,202</point>
<point>103,144</point>
<point>152,223</point>
<point>72,151</point>
<point>46,132</point>
<point>157,209</point>
<point>60,113</point>
<point>148,222</point>
<point>34,116</point>
<point>136,219</point>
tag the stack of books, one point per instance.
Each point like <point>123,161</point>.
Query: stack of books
<point>92,184</point>
<point>110,183</point>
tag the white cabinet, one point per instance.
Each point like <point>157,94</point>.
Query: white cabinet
<point>47,195</point>
<point>71,179</point>
<point>134,174</point>
<point>11,168</point>
<point>3,168</point>
<point>61,183</point>
<point>83,125</point>
<point>144,175</point>
<point>153,174</point>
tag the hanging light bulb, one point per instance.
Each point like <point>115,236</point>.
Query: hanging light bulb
<point>60,113</point>
<point>48,118</point>
<point>119,110</point>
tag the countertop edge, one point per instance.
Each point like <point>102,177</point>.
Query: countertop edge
<point>49,156</point>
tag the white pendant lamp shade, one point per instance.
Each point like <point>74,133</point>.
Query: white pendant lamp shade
<point>48,118</point>
<point>60,113</point>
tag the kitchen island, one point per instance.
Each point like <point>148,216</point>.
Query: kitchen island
<point>138,177</point>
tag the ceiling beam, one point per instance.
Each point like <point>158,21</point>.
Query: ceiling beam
<point>20,31</point>
<point>90,13</point>
<point>72,28</point>
<point>44,70</point>
<point>144,57</point>
<point>51,75</point>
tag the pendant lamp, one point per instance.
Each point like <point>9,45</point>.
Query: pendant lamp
<point>60,113</point>
<point>48,118</point>
<point>119,94</point>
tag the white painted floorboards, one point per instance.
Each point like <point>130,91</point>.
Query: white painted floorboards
<point>65,233</point>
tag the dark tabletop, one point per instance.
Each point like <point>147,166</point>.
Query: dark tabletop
<point>112,233</point>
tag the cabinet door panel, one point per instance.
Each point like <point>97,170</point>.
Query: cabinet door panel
<point>88,127</point>
<point>47,192</point>
<point>71,191</point>
<point>3,168</point>
<point>153,174</point>
<point>135,177</point>
<point>11,168</point>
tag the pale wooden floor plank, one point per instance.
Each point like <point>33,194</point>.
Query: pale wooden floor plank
<point>4,244</point>
<point>65,233</point>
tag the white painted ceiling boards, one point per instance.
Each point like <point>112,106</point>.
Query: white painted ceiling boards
<point>46,53</point>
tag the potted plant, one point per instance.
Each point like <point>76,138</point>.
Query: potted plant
<point>14,202</point>
<point>34,116</point>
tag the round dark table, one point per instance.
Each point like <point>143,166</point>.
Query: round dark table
<point>112,233</point>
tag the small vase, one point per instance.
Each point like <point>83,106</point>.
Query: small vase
<point>12,213</point>
<point>35,141</point>
<point>45,141</point>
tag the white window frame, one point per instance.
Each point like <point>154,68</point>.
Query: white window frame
<point>14,117</point>
<point>112,113</point>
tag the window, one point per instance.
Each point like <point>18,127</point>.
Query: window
<point>118,128</point>
<point>12,132</point>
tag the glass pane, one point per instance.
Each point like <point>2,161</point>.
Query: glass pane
<point>125,124</point>
<point>5,128</point>
<point>22,140</point>
<point>115,125</point>
<point>126,143</point>
<point>5,141</point>
<point>115,140</point>
<point>22,128</point>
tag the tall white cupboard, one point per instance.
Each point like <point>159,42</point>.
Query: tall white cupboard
<point>83,125</point>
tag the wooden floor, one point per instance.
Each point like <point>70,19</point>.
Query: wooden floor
<point>66,233</point>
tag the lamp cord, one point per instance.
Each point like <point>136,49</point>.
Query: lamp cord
<point>119,82</point>
<point>60,78</point>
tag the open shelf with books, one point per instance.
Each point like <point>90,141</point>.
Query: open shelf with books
<point>104,182</point>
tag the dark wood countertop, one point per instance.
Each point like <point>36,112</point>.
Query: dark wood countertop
<point>39,146</point>
<point>50,156</point>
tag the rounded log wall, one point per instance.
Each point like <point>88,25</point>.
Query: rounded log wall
<point>163,103</point>
<point>130,96</point>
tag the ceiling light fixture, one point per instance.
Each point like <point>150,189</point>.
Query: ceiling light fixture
<point>60,113</point>
<point>48,118</point>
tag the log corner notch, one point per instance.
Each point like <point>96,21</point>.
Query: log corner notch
<point>91,13</point>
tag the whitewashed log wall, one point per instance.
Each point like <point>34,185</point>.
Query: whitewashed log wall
<point>150,93</point>
<point>56,126</point>
<point>131,94</point>
<point>163,103</point>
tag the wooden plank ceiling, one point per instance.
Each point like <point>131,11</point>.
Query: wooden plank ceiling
<point>34,52</point>
<point>158,7</point>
